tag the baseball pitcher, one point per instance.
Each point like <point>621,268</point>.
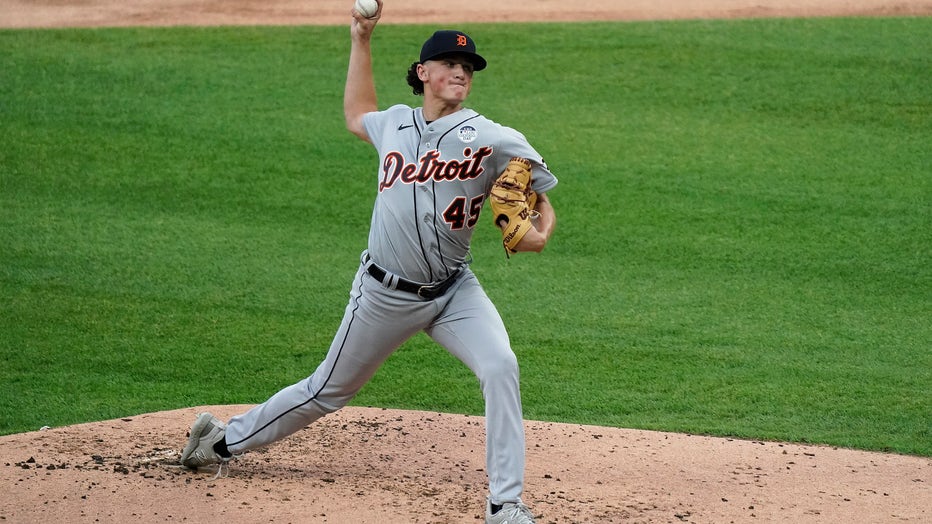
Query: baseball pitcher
<point>438,164</point>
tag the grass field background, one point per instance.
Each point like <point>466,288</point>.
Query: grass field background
<point>743,243</point>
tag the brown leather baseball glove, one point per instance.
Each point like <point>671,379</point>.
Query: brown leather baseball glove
<point>512,201</point>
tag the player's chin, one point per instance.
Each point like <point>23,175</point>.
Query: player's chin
<point>458,92</point>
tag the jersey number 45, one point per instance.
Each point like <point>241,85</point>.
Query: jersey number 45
<point>459,216</point>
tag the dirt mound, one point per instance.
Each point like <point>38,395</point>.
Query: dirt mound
<point>365,465</point>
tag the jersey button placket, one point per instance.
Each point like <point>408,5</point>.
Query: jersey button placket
<point>427,137</point>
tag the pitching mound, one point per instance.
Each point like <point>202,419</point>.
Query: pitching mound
<point>364,465</point>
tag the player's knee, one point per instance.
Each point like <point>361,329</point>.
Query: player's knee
<point>504,366</point>
<point>328,400</point>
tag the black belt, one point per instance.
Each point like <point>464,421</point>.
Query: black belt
<point>428,292</point>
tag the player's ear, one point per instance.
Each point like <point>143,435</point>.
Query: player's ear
<point>422,72</point>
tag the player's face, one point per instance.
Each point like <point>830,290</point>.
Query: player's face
<point>448,78</point>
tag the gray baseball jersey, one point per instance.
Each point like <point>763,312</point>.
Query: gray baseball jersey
<point>432,181</point>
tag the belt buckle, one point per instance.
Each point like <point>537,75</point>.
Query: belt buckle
<point>438,289</point>
<point>428,292</point>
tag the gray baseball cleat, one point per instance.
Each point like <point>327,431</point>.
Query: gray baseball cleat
<point>511,513</point>
<point>206,431</point>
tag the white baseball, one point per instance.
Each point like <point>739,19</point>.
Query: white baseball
<point>366,8</point>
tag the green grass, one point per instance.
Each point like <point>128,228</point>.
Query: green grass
<point>742,249</point>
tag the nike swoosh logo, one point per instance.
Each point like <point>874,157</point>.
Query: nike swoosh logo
<point>402,126</point>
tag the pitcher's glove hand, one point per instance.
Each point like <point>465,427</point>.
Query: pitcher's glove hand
<point>513,201</point>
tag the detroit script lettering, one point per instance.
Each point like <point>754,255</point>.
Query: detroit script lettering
<point>429,166</point>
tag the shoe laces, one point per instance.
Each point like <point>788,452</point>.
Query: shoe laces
<point>518,511</point>
<point>223,464</point>
<point>223,467</point>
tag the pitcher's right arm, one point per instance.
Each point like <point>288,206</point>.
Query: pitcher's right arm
<point>359,93</point>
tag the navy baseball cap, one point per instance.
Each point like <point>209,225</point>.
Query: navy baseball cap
<point>446,42</point>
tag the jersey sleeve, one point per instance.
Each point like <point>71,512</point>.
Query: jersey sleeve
<point>377,122</point>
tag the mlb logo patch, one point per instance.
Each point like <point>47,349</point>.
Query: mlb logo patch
<point>467,134</point>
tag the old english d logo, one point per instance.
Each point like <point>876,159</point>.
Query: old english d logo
<point>461,40</point>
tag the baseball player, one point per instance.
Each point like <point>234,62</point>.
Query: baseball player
<point>438,163</point>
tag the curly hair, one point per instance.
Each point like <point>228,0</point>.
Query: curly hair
<point>417,86</point>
